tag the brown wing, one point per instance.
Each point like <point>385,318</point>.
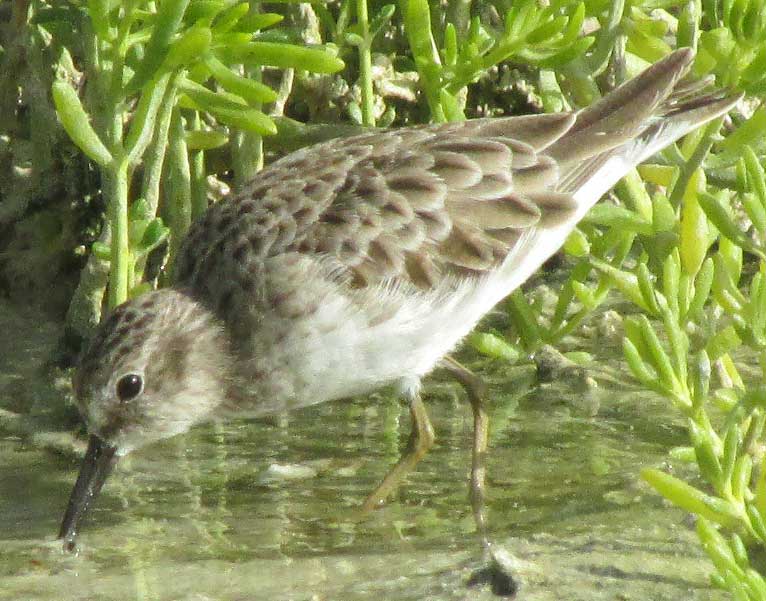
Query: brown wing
<point>411,204</point>
<point>415,204</point>
<point>424,202</point>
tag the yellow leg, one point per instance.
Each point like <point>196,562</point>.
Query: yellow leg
<point>498,572</point>
<point>476,390</point>
<point>421,440</point>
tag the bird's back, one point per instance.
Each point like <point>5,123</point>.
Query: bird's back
<point>394,243</point>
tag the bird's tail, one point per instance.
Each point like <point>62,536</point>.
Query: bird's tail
<point>632,123</point>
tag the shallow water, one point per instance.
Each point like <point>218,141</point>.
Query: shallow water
<point>258,510</point>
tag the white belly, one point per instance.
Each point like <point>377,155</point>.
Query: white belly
<point>355,344</point>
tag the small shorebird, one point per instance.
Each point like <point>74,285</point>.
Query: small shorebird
<point>359,263</point>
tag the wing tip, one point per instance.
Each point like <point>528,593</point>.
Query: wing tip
<point>641,95</point>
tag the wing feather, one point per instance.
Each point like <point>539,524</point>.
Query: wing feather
<point>416,205</point>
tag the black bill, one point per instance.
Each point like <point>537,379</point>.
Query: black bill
<point>98,463</point>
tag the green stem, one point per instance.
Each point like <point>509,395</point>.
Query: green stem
<point>116,183</point>
<point>459,14</point>
<point>283,93</point>
<point>365,65</point>
<point>247,151</point>
<point>84,311</point>
<point>417,25</point>
<point>131,276</point>
<point>607,35</point>
<point>574,322</point>
<point>154,158</point>
<point>116,188</point>
<point>144,118</point>
<point>178,185</point>
<point>631,190</point>
<point>248,157</point>
<point>123,29</point>
<point>525,319</point>
<point>577,83</point>
<point>247,147</point>
<point>603,286</point>
<point>688,168</point>
<point>198,180</point>
<point>91,55</point>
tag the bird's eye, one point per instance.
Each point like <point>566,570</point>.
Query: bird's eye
<point>129,387</point>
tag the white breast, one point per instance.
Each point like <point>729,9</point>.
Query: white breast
<point>354,344</point>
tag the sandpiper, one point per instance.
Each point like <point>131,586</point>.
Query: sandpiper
<point>362,262</point>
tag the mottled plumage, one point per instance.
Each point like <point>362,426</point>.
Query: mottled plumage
<point>362,262</point>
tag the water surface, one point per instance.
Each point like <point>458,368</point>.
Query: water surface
<point>264,510</point>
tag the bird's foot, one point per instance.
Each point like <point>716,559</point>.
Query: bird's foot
<point>500,572</point>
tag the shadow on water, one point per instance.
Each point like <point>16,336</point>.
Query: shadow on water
<point>258,510</point>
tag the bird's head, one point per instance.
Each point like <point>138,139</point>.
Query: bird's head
<point>158,365</point>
